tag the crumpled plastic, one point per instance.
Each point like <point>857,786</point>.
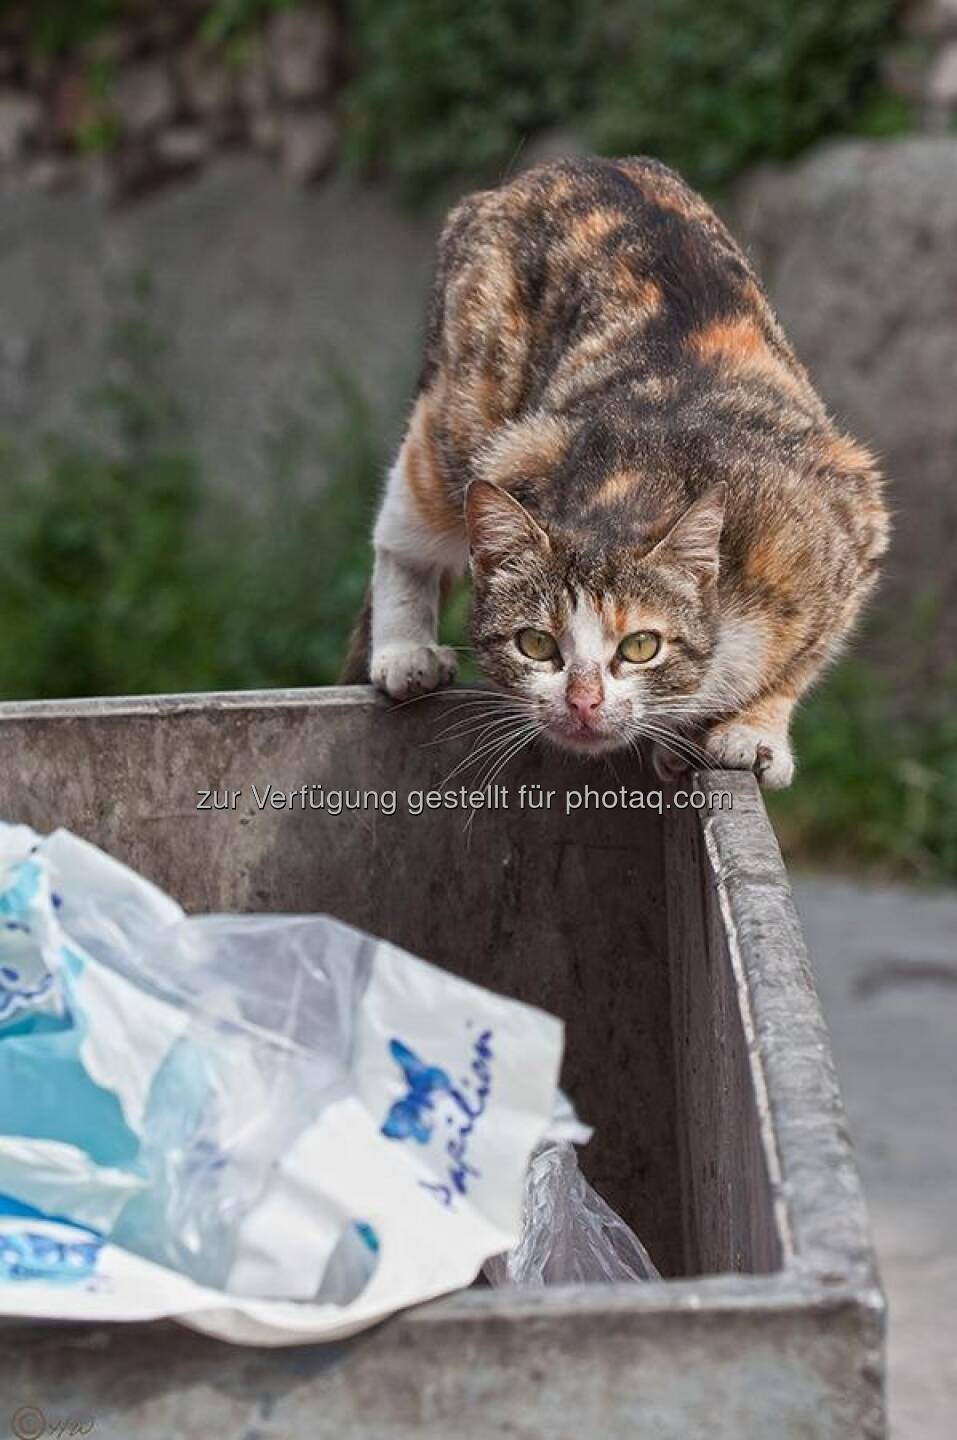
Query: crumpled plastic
<point>570,1235</point>
<point>275,1128</point>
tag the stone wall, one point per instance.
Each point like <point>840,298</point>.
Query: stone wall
<point>857,244</point>
<point>922,67</point>
<point>157,98</point>
<point>253,283</point>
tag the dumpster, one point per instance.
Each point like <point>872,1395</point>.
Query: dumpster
<point>662,930</point>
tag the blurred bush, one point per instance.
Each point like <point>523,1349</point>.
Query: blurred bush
<point>877,772</point>
<point>123,572</point>
<point>442,89</point>
<point>59,27</point>
<point>712,87</point>
<point>445,90</point>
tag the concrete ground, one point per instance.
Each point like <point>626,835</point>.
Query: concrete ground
<point>886,964</point>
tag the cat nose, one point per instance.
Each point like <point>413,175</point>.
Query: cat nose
<point>584,697</point>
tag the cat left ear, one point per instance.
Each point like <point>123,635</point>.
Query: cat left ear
<point>497,525</point>
<point>693,541</point>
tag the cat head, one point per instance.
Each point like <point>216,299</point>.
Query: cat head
<point>595,640</point>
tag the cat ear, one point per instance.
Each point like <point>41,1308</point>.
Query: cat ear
<point>498,525</point>
<point>694,539</point>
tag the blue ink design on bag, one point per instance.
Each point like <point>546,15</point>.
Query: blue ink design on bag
<point>460,1169</point>
<point>413,1117</point>
<point>367,1235</point>
<point>30,1255</point>
<point>408,1118</point>
<point>15,905</point>
<point>14,995</point>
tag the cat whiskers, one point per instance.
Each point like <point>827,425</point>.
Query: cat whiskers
<point>494,736</point>
<point>670,732</point>
<point>486,745</point>
<point>678,745</point>
<point>530,732</point>
<point>478,713</point>
<point>431,695</point>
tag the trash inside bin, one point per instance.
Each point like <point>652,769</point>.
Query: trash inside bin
<point>276,1126</point>
<point>570,1236</point>
<point>668,943</point>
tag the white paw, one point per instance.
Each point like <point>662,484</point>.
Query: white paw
<point>745,747</point>
<point>406,670</point>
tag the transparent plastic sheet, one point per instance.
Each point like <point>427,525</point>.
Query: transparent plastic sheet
<point>244,1025</point>
<point>570,1236</point>
<point>272,1004</point>
<point>215,1116</point>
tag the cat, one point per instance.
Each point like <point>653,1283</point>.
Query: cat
<point>667,536</point>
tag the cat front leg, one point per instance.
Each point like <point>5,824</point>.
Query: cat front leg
<point>419,537</point>
<point>757,739</point>
<point>406,658</point>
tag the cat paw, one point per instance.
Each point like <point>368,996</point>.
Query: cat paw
<point>745,747</point>
<point>403,671</point>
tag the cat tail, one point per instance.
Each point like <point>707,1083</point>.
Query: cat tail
<point>355,664</point>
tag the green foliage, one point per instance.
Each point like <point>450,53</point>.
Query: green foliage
<point>711,87</point>
<point>121,573</point>
<point>877,780</point>
<point>443,89</point>
<point>302,566</point>
<point>231,19</point>
<point>57,27</point>
<point>100,134</point>
<point>60,27</point>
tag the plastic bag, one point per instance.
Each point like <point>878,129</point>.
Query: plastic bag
<point>570,1236</point>
<point>277,1126</point>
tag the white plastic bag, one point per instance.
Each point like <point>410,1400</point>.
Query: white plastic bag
<point>277,1127</point>
<point>570,1236</point>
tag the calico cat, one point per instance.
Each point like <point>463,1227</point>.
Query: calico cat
<point>667,535</point>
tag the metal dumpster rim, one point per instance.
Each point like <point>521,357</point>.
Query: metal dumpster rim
<point>828,1256</point>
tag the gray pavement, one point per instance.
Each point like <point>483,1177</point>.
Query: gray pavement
<point>886,966</point>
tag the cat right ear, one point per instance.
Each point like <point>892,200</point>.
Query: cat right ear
<point>694,540</point>
<point>498,526</point>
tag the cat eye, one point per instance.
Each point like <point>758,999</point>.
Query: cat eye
<point>537,644</point>
<point>640,647</point>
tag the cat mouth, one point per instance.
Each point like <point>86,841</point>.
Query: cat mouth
<point>582,739</point>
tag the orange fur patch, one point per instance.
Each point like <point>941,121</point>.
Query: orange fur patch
<point>667,191</point>
<point>637,291</point>
<point>736,340</point>
<point>619,620</point>
<point>619,486</point>
<point>772,712</point>
<point>427,489</point>
<point>590,230</point>
<point>741,346</point>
